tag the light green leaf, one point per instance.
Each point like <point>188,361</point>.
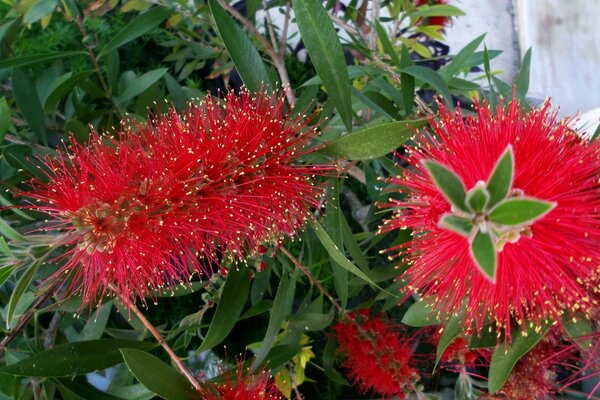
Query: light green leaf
<point>5,272</point>
<point>136,28</point>
<point>505,358</point>
<point>452,330</point>
<point>477,199</point>
<point>462,226</point>
<point>38,10</point>
<point>95,325</point>
<point>460,59</point>
<point>521,82</point>
<point>431,78</point>
<point>229,308</point>
<point>158,376</point>
<point>29,104</point>
<point>449,184</point>
<point>245,57</point>
<point>326,53</point>
<point>484,254</point>
<point>501,178</point>
<point>141,83</point>
<point>19,290</point>
<point>386,44</point>
<point>372,142</point>
<point>420,314</point>
<point>520,210</point>
<point>437,10</point>
<point>72,359</point>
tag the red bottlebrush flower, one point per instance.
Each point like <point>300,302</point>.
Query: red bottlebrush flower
<point>545,267</point>
<point>440,21</point>
<point>241,385</point>
<point>179,194</point>
<point>376,356</point>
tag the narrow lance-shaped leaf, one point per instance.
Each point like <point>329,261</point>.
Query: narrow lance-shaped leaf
<point>520,210</point>
<point>449,184</point>
<point>501,178</point>
<point>462,226</point>
<point>484,254</point>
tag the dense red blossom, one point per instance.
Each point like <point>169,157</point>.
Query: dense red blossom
<point>177,195</point>
<point>377,357</point>
<point>552,269</point>
<point>440,21</point>
<point>240,384</point>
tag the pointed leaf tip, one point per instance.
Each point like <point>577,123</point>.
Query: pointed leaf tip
<point>448,183</point>
<point>520,210</point>
<point>484,254</point>
<point>462,226</point>
<point>501,178</point>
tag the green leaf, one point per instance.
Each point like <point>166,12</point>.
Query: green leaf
<point>74,358</point>
<point>38,10</point>
<point>9,232</point>
<point>282,305</point>
<point>62,89</point>
<point>386,44</point>
<point>493,97</point>
<point>141,83</point>
<point>501,178</point>
<point>580,330</point>
<point>4,118</point>
<point>229,308</point>
<point>478,198</point>
<point>245,57</point>
<point>407,85</point>
<point>505,358</point>
<point>136,28</point>
<point>372,142</point>
<point>20,289</point>
<point>431,78</point>
<point>158,376</point>
<point>462,226</point>
<point>326,53</point>
<point>522,79</point>
<point>452,330</point>
<point>449,184</point>
<point>333,224</point>
<point>29,104</point>
<point>38,58</point>
<point>336,255</point>
<point>484,254</point>
<point>520,210</point>
<point>420,314</point>
<point>460,59</point>
<point>95,325</point>
<point>437,10</point>
<point>5,272</point>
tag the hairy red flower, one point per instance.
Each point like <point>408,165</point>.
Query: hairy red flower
<point>377,357</point>
<point>239,384</point>
<point>440,21</point>
<point>175,196</point>
<point>551,266</point>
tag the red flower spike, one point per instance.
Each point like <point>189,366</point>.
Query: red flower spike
<point>552,266</point>
<point>376,356</point>
<point>178,195</point>
<point>239,384</point>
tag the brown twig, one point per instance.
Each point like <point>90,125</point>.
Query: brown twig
<point>161,340</point>
<point>314,280</point>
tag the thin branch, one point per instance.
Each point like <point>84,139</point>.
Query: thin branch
<point>314,280</point>
<point>161,340</point>
<point>284,30</point>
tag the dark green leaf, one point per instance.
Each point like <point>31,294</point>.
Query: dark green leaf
<point>4,118</point>
<point>420,314</point>
<point>245,57</point>
<point>449,184</point>
<point>80,389</point>
<point>38,10</point>
<point>282,305</point>
<point>372,142</point>
<point>10,232</point>
<point>62,89</point>
<point>459,60</point>
<point>280,355</point>
<point>333,224</point>
<point>522,79</point>
<point>29,104</point>
<point>136,28</point>
<point>95,325</point>
<point>74,358</point>
<point>501,178</point>
<point>462,226</point>
<point>407,83</point>
<point>229,309</point>
<point>158,376</point>
<point>506,357</point>
<point>520,210</point>
<point>484,254</point>
<point>452,330</point>
<point>386,44</point>
<point>20,289</point>
<point>38,58</point>
<point>326,52</point>
<point>493,97</point>
<point>580,330</point>
<point>477,199</point>
<point>431,78</point>
<point>5,272</point>
<point>141,83</point>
